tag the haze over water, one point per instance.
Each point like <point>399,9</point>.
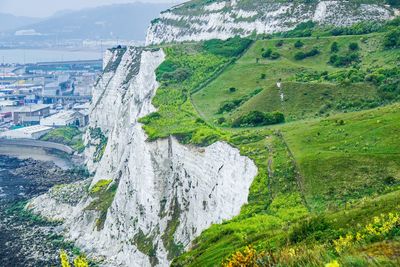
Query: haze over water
<point>25,56</point>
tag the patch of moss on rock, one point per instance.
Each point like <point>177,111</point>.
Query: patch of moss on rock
<point>103,193</point>
<point>97,134</point>
<point>145,244</point>
<point>174,249</point>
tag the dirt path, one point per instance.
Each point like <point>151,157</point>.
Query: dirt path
<point>299,177</point>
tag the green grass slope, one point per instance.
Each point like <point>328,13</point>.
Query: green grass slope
<point>326,178</point>
<point>348,156</point>
<point>328,181</point>
<point>310,86</point>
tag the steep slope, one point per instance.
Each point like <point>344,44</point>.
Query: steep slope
<point>202,20</point>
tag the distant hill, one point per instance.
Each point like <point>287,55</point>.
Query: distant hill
<point>9,22</point>
<point>123,21</point>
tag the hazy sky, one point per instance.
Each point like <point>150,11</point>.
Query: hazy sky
<point>43,8</point>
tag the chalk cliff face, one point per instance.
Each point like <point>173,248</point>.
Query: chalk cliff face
<point>194,21</point>
<point>167,193</point>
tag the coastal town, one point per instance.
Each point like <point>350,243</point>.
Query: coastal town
<point>35,98</point>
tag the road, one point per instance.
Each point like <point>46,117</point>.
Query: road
<point>37,143</point>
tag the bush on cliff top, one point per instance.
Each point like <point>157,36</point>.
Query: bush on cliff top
<point>231,47</point>
<point>258,118</point>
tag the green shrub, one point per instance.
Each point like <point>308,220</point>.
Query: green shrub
<point>353,46</point>
<point>390,89</point>
<point>270,54</point>
<point>302,55</point>
<point>151,117</point>
<point>167,66</point>
<point>229,105</point>
<point>221,120</point>
<point>343,61</point>
<point>258,118</point>
<point>279,43</point>
<point>334,47</point>
<point>275,55</point>
<point>233,104</point>
<point>177,75</point>
<point>364,27</point>
<point>299,56</point>
<point>303,29</point>
<point>392,39</point>
<point>267,53</point>
<point>298,44</point>
<point>231,47</point>
<point>375,78</point>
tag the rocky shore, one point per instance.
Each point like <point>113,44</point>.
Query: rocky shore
<point>26,239</point>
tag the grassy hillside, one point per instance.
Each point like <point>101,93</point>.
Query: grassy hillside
<point>328,182</point>
<point>348,156</point>
<point>310,87</point>
<point>326,178</point>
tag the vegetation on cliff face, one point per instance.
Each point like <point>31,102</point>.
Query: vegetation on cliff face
<point>99,140</point>
<point>325,175</point>
<point>103,193</point>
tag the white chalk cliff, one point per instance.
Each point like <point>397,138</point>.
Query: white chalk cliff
<point>194,21</point>
<point>167,193</point>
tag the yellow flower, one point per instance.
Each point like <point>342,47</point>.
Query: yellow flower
<point>292,252</point>
<point>64,259</point>
<point>359,236</point>
<point>334,263</point>
<point>81,261</point>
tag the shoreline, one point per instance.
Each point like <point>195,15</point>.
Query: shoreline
<point>62,156</point>
<point>28,240</point>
